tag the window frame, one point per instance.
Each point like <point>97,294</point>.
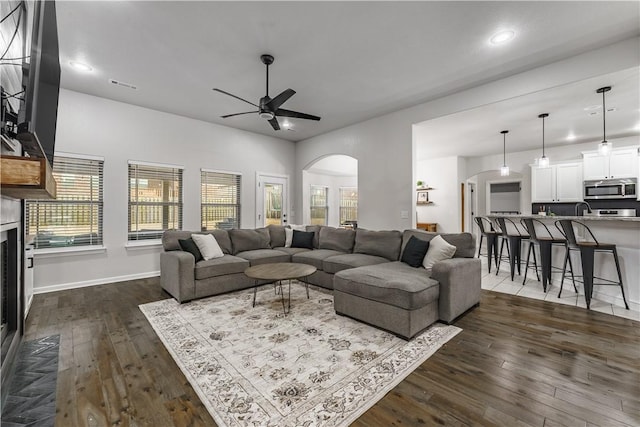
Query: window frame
<point>341,206</point>
<point>238,205</point>
<point>84,163</point>
<point>325,206</point>
<point>146,236</point>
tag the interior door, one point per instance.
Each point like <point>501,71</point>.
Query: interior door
<point>272,200</point>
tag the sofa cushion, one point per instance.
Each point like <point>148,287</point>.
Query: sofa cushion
<point>336,263</point>
<point>292,251</point>
<point>264,256</point>
<point>379,243</point>
<point>188,245</point>
<point>302,239</point>
<point>276,235</point>
<point>170,239</point>
<point>249,240</point>
<point>228,264</point>
<point>314,257</point>
<point>464,243</point>
<point>337,239</point>
<point>394,283</point>
<point>415,252</point>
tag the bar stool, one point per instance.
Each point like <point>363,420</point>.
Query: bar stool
<point>487,230</point>
<point>513,236</point>
<point>587,250</point>
<point>545,244</point>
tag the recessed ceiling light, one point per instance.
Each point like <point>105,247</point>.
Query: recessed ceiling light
<point>502,37</point>
<point>571,136</point>
<point>80,66</point>
<point>286,125</point>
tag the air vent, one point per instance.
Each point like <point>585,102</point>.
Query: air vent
<point>123,84</point>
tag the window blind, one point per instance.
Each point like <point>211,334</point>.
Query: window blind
<point>319,207</point>
<point>74,218</point>
<point>155,200</point>
<point>220,200</point>
<point>348,205</point>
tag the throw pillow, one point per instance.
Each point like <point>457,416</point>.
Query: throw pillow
<point>188,245</point>
<point>288,237</point>
<point>302,239</point>
<point>415,251</point>
<point>209,247</point>
<point>298,227</point>
<point>439,250</point>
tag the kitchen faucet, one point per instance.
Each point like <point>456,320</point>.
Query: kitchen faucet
<point>582,203</point>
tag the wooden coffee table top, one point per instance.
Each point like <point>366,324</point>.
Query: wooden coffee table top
<point>279,271</point>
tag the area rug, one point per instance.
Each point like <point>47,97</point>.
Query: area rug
<point>254,366</point>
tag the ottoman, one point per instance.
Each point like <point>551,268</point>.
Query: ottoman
<point>392,296</point>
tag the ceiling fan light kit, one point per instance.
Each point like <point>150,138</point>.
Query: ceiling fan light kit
<point>269,108</point>
<point>604,148</point>
<point>504,170</point>
<point>543,162</point>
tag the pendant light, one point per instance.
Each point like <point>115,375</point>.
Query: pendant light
<point>543,162</point>
<point>504,170</point>
<point>604,148</point>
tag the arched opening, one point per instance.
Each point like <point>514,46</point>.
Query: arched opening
<point>330,191</point>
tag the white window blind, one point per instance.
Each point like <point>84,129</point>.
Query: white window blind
<point>155,200</point>
<point>319,207</point>
<point>348,206</point>
<point>74,218</point>
<point>220,200</point>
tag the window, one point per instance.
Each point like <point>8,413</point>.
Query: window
<point>319,208</point>
<point>74,218</point>
<point>220,200</point>
<point>348,206</point>
<point>155,200</point>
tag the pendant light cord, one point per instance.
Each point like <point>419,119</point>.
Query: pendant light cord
<point>504,149</point>
<point>543,136</point>
<point>604,119</point>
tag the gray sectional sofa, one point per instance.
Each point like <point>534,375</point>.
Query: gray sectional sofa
<point>362,267</point>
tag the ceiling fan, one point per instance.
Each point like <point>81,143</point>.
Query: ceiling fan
<point>269,108</point>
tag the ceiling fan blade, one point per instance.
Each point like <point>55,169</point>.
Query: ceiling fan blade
<point>236,97</point>
<point>274,124</point>
<point>294,114</point>
<point>238,114</point>
<point>276,102</point>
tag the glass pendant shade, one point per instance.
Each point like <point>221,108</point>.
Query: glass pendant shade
<point>604,148</point>
<point>543,162</point>
<point>504,170</point>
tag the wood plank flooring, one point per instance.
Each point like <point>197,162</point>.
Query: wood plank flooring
<point>518,362</point>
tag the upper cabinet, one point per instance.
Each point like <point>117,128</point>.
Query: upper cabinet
<point>557,183</point>
<point>620,163</point>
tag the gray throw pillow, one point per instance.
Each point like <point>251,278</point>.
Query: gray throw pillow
<point>337,239</point>
<point>249,240</point>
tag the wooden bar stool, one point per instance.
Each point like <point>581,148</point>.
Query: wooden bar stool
<point>545,244</point>
<point>487,230</point>
<point>587,251</point>
<point>513,237</point>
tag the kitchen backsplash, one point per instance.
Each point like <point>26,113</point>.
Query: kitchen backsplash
<point>569,209</point>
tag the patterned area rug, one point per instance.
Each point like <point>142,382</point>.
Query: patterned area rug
<point>253,366</point>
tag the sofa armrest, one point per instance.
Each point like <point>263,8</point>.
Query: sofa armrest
<point>177,275</point>
<point>460,285</point>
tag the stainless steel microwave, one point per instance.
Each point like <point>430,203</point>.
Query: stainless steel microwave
<point>610,189</point>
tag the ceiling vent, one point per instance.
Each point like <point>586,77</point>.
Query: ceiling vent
<point>123,84</point>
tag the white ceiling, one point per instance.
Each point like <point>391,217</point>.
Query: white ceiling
<point>574,109</point>
<point>348,61</point>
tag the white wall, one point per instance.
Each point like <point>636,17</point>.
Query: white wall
<point>385,148</point>
<point>333,183</point>
<point>120,132</point>
<point>442,175</point>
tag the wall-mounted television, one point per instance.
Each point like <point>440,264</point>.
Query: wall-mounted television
<point>41,79</point>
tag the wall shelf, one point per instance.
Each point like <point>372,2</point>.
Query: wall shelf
<point>26,178</point>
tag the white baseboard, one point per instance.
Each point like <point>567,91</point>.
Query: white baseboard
<point>101,281</point>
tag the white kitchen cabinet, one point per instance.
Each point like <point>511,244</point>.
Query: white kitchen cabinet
<point>557,183</point>
<point>621,163</point>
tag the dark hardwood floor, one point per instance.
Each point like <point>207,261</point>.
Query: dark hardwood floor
<point>518,362</point>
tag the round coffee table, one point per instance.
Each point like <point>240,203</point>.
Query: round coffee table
<point>278,272</point>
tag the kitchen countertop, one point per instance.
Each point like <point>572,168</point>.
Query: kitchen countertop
<point>576,218</point>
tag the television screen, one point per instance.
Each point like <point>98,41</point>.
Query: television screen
<point>37,119</point>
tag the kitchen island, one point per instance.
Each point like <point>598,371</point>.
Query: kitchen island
<point>624,232</point>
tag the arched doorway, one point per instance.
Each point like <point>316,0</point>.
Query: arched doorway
<point>330,191</point>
